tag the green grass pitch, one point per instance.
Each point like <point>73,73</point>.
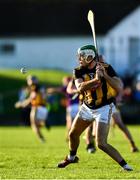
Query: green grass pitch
<point>22,156</point>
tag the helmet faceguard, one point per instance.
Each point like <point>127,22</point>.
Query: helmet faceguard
<point>86,51</point>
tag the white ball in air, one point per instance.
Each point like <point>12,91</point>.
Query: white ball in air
<point>23,70</point>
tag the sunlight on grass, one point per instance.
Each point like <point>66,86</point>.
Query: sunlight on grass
<point>22,156</point>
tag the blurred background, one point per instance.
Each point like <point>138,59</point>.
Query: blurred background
<point>44,35</point>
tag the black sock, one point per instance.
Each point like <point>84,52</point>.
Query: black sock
<point>91,145</point>
<point>122,163</point>
<point>132,142</point>
<point>73,153</point>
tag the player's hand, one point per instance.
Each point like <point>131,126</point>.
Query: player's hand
<point>17,104</point>
<point>99,71</point>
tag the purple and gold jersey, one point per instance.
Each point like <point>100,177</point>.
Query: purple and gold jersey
<point>70,100</point>
<point>104,94</point>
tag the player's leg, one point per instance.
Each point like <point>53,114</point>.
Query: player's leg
<point>35,125</point>
<point>68,124</point>
<point>102,130</point>
<point>118,120</point>
<point>71,113</point>
<point>82,120</point>
<point>89,138</point>
<point>78,126</point>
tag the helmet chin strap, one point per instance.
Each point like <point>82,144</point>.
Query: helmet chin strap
<point>89,62</point>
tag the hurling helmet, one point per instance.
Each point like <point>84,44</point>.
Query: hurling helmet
<point>88,50</point>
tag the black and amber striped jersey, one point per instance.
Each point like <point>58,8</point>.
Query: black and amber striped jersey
<point>36,96</point>
<point>104,94</point>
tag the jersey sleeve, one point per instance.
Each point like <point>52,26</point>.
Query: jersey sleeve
<point>111,72</point>
<point>77,74</point>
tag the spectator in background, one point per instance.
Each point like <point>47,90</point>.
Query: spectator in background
<point>39,112</point>
<point>128,87</point>
<point>136,93</point>
<point>128,94</point>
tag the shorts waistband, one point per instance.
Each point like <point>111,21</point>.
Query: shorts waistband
<point>101,105</point>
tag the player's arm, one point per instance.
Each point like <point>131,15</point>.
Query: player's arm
<point>71,89</point>
<point>112,78</point>
<point>54,90</point>
<point>114,82</point>
<point>22,104</point>
<point>85,85</point>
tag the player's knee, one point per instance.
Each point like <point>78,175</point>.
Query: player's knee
<point>120,125</point>
<point>72,135</point>
<point>101,145</point>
